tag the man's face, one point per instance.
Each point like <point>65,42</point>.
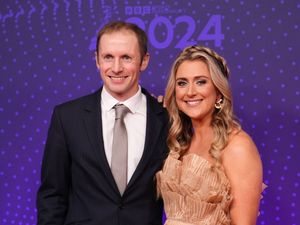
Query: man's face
<point>120,63</point>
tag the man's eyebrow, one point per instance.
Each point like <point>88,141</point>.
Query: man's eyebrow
<point>106,54</point>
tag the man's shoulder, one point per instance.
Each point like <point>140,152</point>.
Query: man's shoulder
<point>89,99</point>
<point>151,99</point>
<point>155,106</point>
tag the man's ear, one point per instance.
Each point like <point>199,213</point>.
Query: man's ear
<point>97,60</point>
<point>145,61</point>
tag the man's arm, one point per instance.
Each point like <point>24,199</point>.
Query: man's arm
<point>52,196</point>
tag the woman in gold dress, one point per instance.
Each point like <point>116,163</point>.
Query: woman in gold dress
<point>213,174</point>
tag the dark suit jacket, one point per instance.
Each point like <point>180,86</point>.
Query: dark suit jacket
<point>77,184</point>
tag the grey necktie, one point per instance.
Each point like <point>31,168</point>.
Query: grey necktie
<point>119,148</point>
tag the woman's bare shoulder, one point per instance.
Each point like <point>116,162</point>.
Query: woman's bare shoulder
<point>240,149</point>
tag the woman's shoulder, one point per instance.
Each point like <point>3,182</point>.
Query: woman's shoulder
<point>241,161</point>
<point>240,139</point>
<point>240,147</point>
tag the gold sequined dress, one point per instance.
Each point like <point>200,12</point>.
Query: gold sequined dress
<point>193,193</point>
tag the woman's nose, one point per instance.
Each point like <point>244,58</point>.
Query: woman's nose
<point>191,90</point>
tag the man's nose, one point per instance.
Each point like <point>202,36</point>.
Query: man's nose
<point>117,66</point>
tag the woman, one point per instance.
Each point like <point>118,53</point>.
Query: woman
<point>213,174</point>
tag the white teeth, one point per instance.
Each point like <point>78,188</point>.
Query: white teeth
<point>193,102</point>
<point>117,78</point>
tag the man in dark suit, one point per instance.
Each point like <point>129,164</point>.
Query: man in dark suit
<point>78,186</point>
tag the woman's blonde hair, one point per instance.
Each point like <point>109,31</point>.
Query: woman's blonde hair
<point>223,120</point>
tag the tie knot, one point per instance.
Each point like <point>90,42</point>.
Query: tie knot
<point>120,110</point>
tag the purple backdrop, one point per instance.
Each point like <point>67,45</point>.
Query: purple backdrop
<point>46,57</point>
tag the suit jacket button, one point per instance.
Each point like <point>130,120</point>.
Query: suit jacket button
<point>121,206</point>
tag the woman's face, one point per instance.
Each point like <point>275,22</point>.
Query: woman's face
<point>194,91</point>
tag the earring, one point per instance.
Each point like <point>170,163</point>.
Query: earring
<point>218,104</point>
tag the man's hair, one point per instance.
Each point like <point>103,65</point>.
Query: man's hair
<point>121,25</point>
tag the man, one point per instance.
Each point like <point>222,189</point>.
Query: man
<point>79,185</point>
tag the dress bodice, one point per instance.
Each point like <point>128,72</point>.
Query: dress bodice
<point>193,193</point>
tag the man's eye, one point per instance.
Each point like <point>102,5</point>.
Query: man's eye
<point>127,58</point>
<point>108,58</point>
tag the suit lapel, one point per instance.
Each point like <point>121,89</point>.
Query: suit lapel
<point>93,124</point>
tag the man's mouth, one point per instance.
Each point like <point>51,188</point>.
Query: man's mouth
<point>118,78</point>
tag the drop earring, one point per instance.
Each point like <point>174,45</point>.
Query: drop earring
<point>218,104</point>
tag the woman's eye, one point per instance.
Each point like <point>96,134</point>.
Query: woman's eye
<point>181,83</point>
<point>201,82</point>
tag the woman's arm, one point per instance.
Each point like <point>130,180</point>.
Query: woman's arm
<point>243,167</point>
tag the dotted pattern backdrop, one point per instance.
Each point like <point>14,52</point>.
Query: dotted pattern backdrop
<point>46,57</point>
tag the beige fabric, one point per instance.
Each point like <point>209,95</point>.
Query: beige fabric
<point>193,193</point>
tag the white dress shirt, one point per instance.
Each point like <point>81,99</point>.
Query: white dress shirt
<point>135,122</point>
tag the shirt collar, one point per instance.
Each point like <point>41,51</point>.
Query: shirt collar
<point>133,103</point>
